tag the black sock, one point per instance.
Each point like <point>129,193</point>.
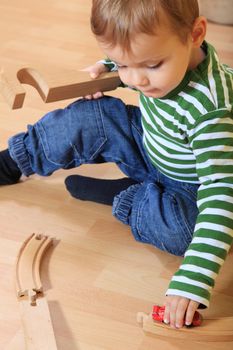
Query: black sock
<point>9,171</point>
<point>96,190</point>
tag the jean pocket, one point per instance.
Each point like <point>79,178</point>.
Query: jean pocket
<point>72,135</point>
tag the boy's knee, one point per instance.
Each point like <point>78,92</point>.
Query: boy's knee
<point>72,135</point>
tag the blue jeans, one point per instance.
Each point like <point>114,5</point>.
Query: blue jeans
<point>159,210</point>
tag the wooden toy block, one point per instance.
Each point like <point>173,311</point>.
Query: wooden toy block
<point>211,330</point>
<point>51,83</point>
<point>34,311</point>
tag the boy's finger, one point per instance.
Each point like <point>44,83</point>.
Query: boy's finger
<point>98,95</point>
<point>190,312</point>
<point>180,313</point>
<point>94,74</point>
<point>173,308</point>
<point>166,317</point>
<point>94,71</point>
<point>88,97</point>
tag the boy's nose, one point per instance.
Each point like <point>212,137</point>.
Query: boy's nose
<point>138,79</point>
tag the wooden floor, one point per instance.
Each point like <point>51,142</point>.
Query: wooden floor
<point>96,277</point>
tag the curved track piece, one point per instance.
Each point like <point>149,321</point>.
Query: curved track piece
<point>52,84</point>
<point>35,316</point>
<point>28,281</point>
<point>31,77</point>
<point>211,330</point>
<point>11,89</point>
<point>75,84</point>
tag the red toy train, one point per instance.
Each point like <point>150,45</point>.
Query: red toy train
<point>158,314</point>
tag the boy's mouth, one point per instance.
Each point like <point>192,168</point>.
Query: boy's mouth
<point>154,93</point>
<point>149,92</point>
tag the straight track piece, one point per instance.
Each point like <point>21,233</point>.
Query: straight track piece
<point>211,330</point>
<point>37,325</point>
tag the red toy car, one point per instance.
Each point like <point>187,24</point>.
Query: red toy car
<point>158,314</point>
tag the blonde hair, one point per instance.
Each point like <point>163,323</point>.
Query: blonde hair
<point>116,22</point>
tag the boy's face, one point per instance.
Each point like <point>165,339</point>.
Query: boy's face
<point>156,64</point>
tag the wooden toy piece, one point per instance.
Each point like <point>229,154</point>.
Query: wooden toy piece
<point>34,311</point>
<point>28,281</point>
<point>37,325</point>
<point>211,330</point>
<point>17,342</point>
<point>52,84</point>
<point>11,89</point>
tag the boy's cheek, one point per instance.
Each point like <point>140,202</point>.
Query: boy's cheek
<point>123,78</point>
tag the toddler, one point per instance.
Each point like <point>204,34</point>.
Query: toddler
<point>176,148</point>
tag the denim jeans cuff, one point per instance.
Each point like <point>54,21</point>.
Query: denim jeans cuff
<point>19,155</point>
<point>122,203</point>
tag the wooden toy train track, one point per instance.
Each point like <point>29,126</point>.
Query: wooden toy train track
<point>52,85</point>
<point>36,320</point>
<point>34,311</point>
<point>211,330</point>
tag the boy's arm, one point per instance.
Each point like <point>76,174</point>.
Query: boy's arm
<point>212,143</point>
<point>97,69</point>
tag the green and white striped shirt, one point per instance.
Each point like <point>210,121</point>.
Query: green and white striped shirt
<point>188,135</point>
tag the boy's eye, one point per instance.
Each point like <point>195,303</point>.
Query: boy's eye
<point>155,66</point>
<point>120,67</point>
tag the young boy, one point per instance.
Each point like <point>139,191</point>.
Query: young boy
<point>177,147</point>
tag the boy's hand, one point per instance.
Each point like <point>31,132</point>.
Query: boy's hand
<point>179,311</point>
<point>95,71</point>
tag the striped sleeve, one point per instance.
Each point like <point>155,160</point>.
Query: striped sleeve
<point>110,65</point>
<point>212,144</point>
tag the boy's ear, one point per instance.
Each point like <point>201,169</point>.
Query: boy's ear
<point>199,31</point>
